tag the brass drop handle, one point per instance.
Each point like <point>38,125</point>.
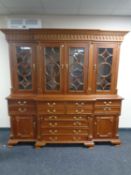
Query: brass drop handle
<point>52,117</point>
<point>107,103</point>
<point>77,131</point>
<point>76,138</point>
<point>22,102</point>
<point>51,111</point>
<point>53,131</point>
<point>51,104</point>
<point>22,109</point>
<point>107,108</point>
<point>53,124</point>
<point>79,111</point>
<point>77,117</point>
<point>77,123</point>
<point>79,104</point>
<point>53,138</point>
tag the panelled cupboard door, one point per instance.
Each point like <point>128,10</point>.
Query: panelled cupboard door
<point>23,67</point>
<point>76,65</point>
<point>52,67</point>
<point>23,127</point>
<point>105,68</point>
<point>105,126</point>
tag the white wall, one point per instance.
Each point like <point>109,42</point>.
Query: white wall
<point>89,22</point>
<point>4,81</point>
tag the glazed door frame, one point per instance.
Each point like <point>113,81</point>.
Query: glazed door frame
<point>114,67</point>
<point>13,65</point>
<point>85,46</point>
<point>42,66</point>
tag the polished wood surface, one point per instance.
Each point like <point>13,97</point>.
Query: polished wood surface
<point>75,112</point>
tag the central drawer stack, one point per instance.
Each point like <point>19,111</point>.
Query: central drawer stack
<point>61,122</point>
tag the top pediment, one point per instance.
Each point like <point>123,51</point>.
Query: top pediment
<point>36,35</point>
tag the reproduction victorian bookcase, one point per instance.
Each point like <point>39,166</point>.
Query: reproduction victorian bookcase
<point>64,86</point>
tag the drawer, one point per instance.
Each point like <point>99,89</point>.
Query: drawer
<point>51,108</point>
<point>65,117</point>
<point>69,138</point>
<point>108,103</point>
<point>62,131</point>
<point>64,124</point>
<point>20,102</point>
<point>107,110</point>
<point>79,107</point>
<point>22,110</point>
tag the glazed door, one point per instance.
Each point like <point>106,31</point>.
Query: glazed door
<point>23,68</point>
<point>52,61</point>
<point>105,68</point>
<point>76,64</point>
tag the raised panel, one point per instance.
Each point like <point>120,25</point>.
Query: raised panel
<point>24,127</point>
<point>104,127</point>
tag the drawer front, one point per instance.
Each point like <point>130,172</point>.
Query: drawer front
<point>108,103</point>
<point>107,110</point>
<point>79,107</point>
<point>51,108</point>
<point>67,138</point>
<point>64,124</point>
<point>20,102</point>
<point>62,131</point>
<point>22,110</point>
<point>65,117</point>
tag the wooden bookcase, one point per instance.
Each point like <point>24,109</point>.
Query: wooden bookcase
<point>64,86</point>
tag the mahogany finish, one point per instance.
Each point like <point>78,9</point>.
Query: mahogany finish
<point>64,86</point>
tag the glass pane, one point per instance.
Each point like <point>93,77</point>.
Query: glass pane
<point>52,68</point>
<point>104,61</point>
<point>76,67</point>
<point>24,64</point>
